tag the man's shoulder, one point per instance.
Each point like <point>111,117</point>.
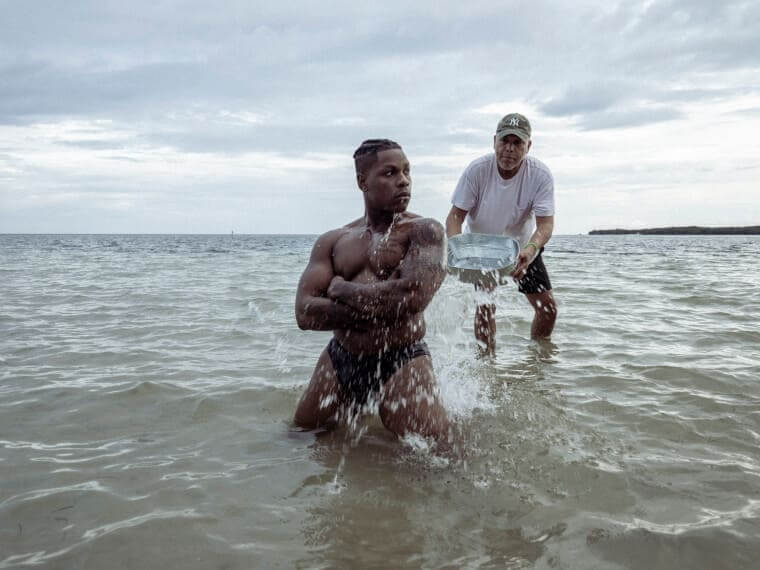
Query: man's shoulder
<point>344,229</point>
<point>538,168</point>
<point>427,230</point>
<point>482,163</point>
<point>328,239</point>
<point>334,233</point>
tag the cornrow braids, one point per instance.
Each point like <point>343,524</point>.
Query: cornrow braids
<point>366,154</point>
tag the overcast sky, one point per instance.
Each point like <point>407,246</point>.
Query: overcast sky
<point>201,117</point>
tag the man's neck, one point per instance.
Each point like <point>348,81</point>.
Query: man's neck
<point>379,220</point>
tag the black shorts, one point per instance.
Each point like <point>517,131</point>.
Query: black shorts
<point>536,278</point>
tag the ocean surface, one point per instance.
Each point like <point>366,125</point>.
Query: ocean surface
<point>147,385</point>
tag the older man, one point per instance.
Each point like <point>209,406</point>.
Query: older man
<point>510,193</point>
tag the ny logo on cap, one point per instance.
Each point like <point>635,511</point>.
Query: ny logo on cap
<point>514,122</point>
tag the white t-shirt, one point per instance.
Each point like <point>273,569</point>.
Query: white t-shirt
<point>504,207</point>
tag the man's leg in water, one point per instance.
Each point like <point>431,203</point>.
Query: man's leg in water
<point>485,328</point>
<point>319,404</point>
<point>411,403</point>
<point>485,320</point>
<point>545,314</point>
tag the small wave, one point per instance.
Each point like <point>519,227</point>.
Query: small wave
<point>42,557</point>
<point>146,388</point>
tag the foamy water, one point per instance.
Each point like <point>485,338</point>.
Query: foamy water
<point>147,386</point>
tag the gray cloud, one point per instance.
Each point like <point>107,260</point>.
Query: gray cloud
<point>94,145</point>
<point>628,117</point>
<point>686,35</point>
<point>580,99</point>
<point>93,58</point>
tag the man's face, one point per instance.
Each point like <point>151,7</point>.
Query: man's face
<point>510,151</point>
<point>387,184</point>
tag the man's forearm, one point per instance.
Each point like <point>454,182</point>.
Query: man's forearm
<point>541,235</point>
<point>538,239</point>
<point>322,314</point>
<point>391,299</point>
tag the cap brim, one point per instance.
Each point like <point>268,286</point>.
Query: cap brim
<point>504,132</point>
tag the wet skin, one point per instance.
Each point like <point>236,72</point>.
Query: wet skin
<point>369,282</point>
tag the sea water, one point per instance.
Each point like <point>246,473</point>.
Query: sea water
<point>147,385</point>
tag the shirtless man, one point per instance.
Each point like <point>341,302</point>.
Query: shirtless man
<point>369,282</point>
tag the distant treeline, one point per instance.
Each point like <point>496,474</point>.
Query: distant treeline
<point>684,230</point>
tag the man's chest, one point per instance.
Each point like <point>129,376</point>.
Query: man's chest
<point>369,257</point>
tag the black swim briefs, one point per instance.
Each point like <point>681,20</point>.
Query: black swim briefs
<point>360,375</point>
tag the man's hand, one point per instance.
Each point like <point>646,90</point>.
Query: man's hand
<point>524,258</point>
<point>543,233</point>
<point>337,288</point>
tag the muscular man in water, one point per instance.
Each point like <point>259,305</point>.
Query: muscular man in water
<point>369,282</point>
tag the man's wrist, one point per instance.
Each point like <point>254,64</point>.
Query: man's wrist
<point>534,245</point>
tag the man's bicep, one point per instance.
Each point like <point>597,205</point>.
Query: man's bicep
<point>425,258</point>
<point>319,272</point>
<point>458,213</point>
<point>315,279</point>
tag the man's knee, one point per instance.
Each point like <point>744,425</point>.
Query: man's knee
<point>544,305</point>
<point>547,310</point>
<point>420,413</point>
<point>317,412</point>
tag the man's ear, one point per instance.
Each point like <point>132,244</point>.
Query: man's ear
<point>530,144</point>
<point>361,181</point>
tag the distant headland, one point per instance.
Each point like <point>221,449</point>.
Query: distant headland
<point>685,230</point>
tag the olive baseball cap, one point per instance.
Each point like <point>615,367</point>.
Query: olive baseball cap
<point>514,124</point>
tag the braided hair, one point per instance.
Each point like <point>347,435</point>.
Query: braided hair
<point>366,155</point>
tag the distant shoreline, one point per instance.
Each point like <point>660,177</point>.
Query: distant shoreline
<point>684,230</point>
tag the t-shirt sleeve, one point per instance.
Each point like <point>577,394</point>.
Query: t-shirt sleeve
<point>465,195</point>
<point>543,205</point>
